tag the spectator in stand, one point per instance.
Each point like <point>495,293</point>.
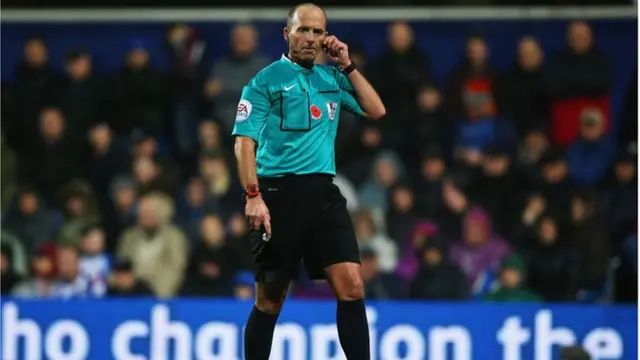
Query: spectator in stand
<point>589,157</point>
<point>402,215</point>
<point>387,171</point>
<point>497,189</point>
<point>480,249</point>
<point>124,283</point>
<point>369,237</point>
<point>221,185</point>
<point>71,283</point>
<point>95,263</point>
<point>360,152</point>
<point>43,272</point>
<point>456,204</point>
<point>192,205</point>
<point>430,179</point>
<point>591,248</point>
<point>79,94</point>
<point>210,136</point>
<point>521,92</point>
<point>35,85</point>
<point>150,176</point>
<point>229,74</point>
<point>138,94</point>
<point>108,156</point>
<point>534,145</point>
<point>472,83</point>
<point>626,277</point>
<point>210,140</point>
<point>428,125</point>
<point>437,279</point>
<point>621,189</point>
<point>422,233</point>
<point>512,284</point>
<point>628,133</point>
<point>8,173</point>
<point>186,49</point>
<point>122,209</point>
<point>547,259</point>
<point>80,210</point>
<point>534,207</point>
<point>239,242</point>
<point>378,285</point>
<point>399,72</point>
<point>19,256</point>
<point>9,277</point>
<point>578,78</point>
<point>157,249</point>
<point>31,221</point>
<point>397,75</point>
<point>555,185</point>
<point>53,159</point>
<point>211,266</point>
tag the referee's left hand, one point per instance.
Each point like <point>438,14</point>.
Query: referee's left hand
<point>258,214</point>
<point>336,51</point>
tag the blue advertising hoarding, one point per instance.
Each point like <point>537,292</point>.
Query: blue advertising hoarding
<point>212,330</point>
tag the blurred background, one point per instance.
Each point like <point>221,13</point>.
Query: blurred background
<point>505,170</point>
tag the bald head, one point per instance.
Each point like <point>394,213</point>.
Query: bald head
<point>305,32</point>
<point>303,9</point>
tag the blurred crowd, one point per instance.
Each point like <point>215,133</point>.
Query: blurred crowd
<point>496,184</point>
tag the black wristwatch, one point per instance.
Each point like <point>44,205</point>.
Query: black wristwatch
<point>349,69</point>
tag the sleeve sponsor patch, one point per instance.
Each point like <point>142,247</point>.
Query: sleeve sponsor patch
<point>244,110</point>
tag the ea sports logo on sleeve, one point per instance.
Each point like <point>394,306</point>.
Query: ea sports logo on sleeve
<point>244,110</point>
<point>316,113</point>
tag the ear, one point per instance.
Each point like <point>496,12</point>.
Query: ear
<point>285,33</point>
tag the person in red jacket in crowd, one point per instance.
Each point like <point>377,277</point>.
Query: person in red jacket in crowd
<point>578,78</point>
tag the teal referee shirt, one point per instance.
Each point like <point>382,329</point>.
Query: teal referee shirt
<point>292,113</point>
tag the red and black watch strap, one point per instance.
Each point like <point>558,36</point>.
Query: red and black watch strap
<point>251,191</point>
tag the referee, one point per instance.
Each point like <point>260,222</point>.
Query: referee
<point>290,111</point>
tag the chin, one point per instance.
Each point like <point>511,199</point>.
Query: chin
<point>306,61</point>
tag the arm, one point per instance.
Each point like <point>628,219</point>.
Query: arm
<point>368,103</point>
<point>253,110</point>
<point>367,96</point>
<point>246,156</point>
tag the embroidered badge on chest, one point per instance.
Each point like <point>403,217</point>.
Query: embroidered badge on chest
<point>316,113</point>
<point>332,107</point>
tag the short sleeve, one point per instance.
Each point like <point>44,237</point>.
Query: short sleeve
<point>347,98</point>
<point>252,111</point>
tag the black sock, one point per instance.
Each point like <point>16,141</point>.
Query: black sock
<point>258,335</point>
<point>353,329</point>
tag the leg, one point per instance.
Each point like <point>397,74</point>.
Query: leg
<point>346,281</point>
<point>258,333</point>
<point>353,328</point>
<point>333,253</point>
<point>276,262</point>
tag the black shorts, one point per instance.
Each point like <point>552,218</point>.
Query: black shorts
<point>310,225</point>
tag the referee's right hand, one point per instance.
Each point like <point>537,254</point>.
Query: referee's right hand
<point>258,214</point>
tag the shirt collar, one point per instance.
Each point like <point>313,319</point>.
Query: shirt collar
<point>286,60</point>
